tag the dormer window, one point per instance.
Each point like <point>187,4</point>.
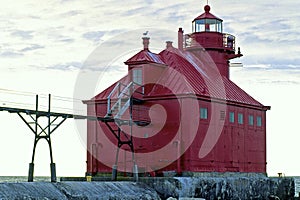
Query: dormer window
<point>207,25</point>
<point>137,76</point>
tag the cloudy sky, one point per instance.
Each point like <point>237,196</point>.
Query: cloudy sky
<point>45,44</point>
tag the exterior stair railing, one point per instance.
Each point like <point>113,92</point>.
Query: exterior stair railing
<point>118,102</point>
<point>123,99</point>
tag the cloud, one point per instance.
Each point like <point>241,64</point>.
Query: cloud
<point>135,11</point>
<point>32,48</point>
<point>170,10</point>
<point>260,27</point>
<point>266,31</point>
<point>273,67</point>
<point>66,66</point>
<point>268,74</point>
<point>26,35</point>
<point>11,54</point>
<point>94,36</point>
<point>67,40</point>
<point>71,13</point>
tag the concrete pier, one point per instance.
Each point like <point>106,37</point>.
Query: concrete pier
<point>77,191</point>
<point>229,187</point>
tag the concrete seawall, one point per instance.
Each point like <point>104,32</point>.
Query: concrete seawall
<point>233,188</point>
<point>77,191</point>
<point>155,189</point>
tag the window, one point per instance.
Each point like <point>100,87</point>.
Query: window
<point>137,76</point>
<point>203,113</point>
<point>208,25</point>
<point>258,121</point>
<point>231,117</point>
<point>251,120</point>
<point>222,115</point>
<point>240,118</point>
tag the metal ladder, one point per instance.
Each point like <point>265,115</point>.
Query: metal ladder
<point>119,101</point>
<point>124,93</point>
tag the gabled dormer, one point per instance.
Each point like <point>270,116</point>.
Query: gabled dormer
<point>145,67</point>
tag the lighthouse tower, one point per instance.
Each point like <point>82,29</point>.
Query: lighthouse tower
<point>207,35</point>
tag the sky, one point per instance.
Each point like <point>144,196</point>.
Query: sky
<point>45,45</point>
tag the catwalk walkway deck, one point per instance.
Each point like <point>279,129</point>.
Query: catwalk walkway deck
<point>31,118</point>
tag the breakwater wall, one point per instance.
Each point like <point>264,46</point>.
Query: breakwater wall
<point>233,188</point>
<point>77,191</point>
<point>209,188</point>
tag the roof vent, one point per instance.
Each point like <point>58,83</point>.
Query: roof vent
<point>169,44</point>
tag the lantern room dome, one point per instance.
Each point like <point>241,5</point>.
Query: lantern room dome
<point>207,22</point>
<point>207,14</point>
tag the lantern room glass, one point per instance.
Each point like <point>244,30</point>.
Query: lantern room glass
<point>207,25</point>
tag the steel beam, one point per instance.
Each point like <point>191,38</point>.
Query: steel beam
<point>42,133</point>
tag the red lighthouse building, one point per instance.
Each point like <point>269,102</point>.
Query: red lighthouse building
<point>178,111</point>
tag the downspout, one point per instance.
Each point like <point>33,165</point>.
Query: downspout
<point>179,170</point>
<point>179,157</point>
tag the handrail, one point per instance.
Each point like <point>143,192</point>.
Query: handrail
<point>187,41</point>
<point>122,93</point>
<point>109,97</point>
<point>140,85</point>
<point>228,41</point>
<point>123,109</point>
<point>113,91</point>
<point>126,91</point>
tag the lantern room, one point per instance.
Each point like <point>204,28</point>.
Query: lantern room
<point>207,22</point>
<point>207,34</point>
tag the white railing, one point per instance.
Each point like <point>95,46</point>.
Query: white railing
<point>187,41</point>
<point>122,94</point>
<point>228,41</point>
<point>117,87</point>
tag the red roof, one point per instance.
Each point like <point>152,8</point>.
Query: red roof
<point>186,75</point>
<point>200,79</point>
<point>207,14</point>
<point>145,56</point>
